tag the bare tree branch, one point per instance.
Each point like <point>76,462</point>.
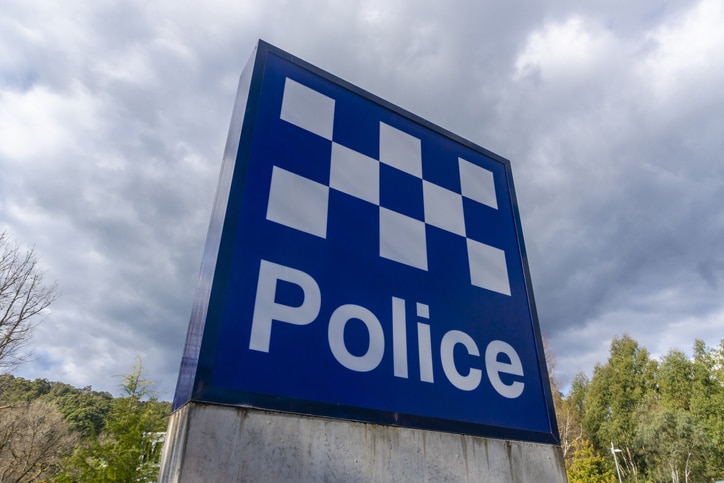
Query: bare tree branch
<point>23,298</point>
<point>34,438</point>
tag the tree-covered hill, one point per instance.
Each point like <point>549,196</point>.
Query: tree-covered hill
<point>52,431</point>
<point>84,409</point>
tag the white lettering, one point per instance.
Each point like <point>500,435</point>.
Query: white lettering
<point>447,347</point>
<point>338,321</point>
<point>267,310</point>
<point>495,367</point>
<point>425,349</point>
<point>399,337</point>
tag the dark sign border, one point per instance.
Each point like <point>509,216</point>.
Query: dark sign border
<point>199,351</point>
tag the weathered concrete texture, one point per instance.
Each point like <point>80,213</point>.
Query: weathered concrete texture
<point>226,444</point>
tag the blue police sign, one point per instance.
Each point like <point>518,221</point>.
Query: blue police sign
<point>363,264</point>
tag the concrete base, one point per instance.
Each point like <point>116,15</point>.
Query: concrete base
<point>228,444</point>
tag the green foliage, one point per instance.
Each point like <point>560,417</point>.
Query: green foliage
<point>51,431</point>
<point>616,390</point>
<point>673,440</point>
<point>129,448</point>
<point>577,395</point>
<point>666,417</point>
<point>675,377</point>
<point>570,416</point>
<point>587,466</point>
<point>15,389</point>
<point>85,410</point>
<point>707,403</point>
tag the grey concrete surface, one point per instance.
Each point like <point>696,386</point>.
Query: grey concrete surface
<point>207,443</point>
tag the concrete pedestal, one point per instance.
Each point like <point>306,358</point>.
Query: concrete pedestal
<point>228,444</point>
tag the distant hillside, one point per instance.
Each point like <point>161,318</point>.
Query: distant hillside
<point>85,410</point>
<point>55,431</point>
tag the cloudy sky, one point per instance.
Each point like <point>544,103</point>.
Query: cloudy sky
<point>114,115</point>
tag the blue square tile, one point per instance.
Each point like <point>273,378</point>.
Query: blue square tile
<point>401,192</point>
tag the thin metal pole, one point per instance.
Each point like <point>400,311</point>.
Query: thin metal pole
<point>615,460</point>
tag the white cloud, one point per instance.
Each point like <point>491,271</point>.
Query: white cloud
<point>581,348</point>
<point>564,52</point>
<point>686,53</point>
<point>39,123</point>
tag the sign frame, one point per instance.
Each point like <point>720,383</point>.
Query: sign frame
<point>196,377</point>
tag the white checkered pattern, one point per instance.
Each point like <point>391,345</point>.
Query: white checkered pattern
<point>302,204</point>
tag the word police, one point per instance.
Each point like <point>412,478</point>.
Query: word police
<point>268,311</point>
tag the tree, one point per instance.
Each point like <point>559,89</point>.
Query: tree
<point>675,442</point>
<point>615,392</point>
<point>34,439</point>
<point>707,402</point>
<point>665,418</point>
<point>567,417</point>
<point>675,379</point>
<point>586,466</point>
<point>128,450</point>
<point>570,419</point>
<point>23,297</point>
<point>85,410</point>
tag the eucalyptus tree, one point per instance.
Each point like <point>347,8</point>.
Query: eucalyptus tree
<point>673,441</point>
<point>614,394</point>
<point>707,402</point>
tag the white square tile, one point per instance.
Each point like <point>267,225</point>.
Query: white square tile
<point>400,150</point>
<point>355,174</point>
<point>308,109</point>
<point>487,267</point>
<point>423,310</point>
<point>298,202</point>
<point>477,183</point>
<point>402,239</point>
<point>443,208</point>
